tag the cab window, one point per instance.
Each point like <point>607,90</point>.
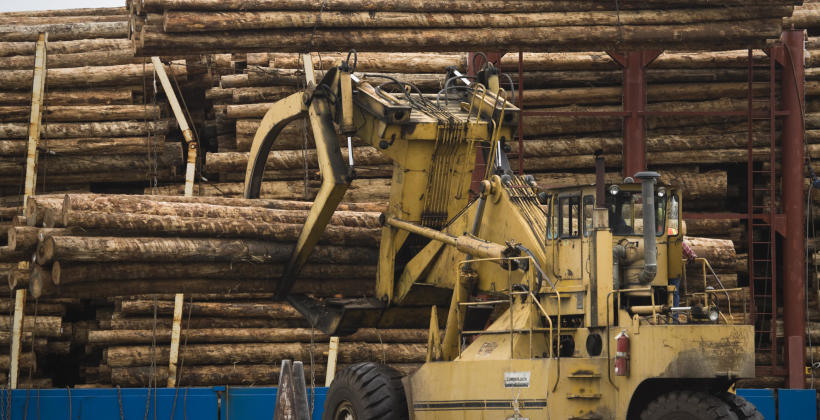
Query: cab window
<point>626,212</point>
<point>589,206</point>
<point>569,217</point>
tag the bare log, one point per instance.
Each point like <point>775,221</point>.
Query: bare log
<point>91,249</point>
<point>251,335</point>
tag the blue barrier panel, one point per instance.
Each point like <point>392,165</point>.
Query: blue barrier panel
<point>797,404</point>
<point>104,404</point>
<point>254,403</point>
<point>763,399</point>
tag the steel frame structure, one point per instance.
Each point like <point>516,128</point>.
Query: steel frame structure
<point>762,219</point>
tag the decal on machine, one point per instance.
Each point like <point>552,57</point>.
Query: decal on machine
<point>516,379</point>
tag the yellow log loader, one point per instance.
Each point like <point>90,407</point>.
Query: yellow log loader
<point>555,303</point>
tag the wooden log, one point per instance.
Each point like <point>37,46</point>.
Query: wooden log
<point>102,249</point>
<point>27,360</point>
<point>109,96</point>
<point>66,47</point>
<point>266,353</point>
<point>86,11</point>
<point>147,323</point>
<point>184,21</point>
<point>25,238</point>
<point>376,62</point>
<point>78,273</point>
<point>170,155</point>
<point>719,252</point>
<point>568,38</point>
<point>64,31</point>
<point>43,308</point>
<point>92,58</point>
<point>46,326</point>
<point>42,20</point>
<point>83,113</point>
<point>141,224</point>
<point>275,310</point>
<point>362,190</point>
<point>191,209</point>
<point>290,159</point>
<point>251,335</point>
<point>117,75</point>
<point>416,6</point>
<point>18,278</point>
<point>40,283</point>
<point>320,288</point>
<point>85,130</point>
<point>121,200</point>
<point>95,146</point>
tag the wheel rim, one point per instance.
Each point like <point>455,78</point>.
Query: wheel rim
<point>344,411</point>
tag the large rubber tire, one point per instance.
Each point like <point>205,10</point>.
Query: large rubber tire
<point>688,405</point>
<point>742,408</point>
<point>366,391</point>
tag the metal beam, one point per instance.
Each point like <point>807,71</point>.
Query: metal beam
<point>793,160</point>
<point>176,329</point>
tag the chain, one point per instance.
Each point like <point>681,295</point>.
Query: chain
<point>33,338</point>
<point>618,17</point>
<point>152,378</point>
<point>316,25</point>
<point>69,402</point>
<point>119,400</point>
<point>312,370</point>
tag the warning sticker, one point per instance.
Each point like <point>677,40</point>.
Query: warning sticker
<point>516,379</point>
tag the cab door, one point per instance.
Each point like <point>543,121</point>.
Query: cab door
<point>569,253</point>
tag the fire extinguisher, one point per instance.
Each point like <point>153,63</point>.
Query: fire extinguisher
<point>622,354</point>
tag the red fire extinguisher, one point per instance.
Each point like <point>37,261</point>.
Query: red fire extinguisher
<point>622,354</point>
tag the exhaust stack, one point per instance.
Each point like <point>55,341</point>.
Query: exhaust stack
<point>650,268</point>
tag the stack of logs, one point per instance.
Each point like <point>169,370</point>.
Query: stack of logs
<point>169,27</point>
<point>235,339</point>
<point>101,123</point>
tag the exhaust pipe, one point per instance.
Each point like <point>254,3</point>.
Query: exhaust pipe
<point>650,268</point>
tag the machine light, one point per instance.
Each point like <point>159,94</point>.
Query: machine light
<point>661,191</point>
<point>614,189</point>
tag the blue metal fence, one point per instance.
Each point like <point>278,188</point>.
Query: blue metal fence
<point>212,403</point>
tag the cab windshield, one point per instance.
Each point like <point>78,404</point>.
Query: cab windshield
<point>626,212</point>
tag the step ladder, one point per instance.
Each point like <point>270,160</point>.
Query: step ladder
<point>762,181</point>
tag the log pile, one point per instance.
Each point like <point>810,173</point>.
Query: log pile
<point>232,340</point>
<point>169,27</point>
<point>115,245</point>
<point>102,123</point>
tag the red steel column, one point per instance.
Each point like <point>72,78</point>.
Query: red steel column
<point>634,101</point>
<point>794,258</point>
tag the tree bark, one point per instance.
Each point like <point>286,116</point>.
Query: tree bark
<point>290,159</point>
<point>125,200</point>
<point>376,62</point>
<point>145,249</point>
<point>40,283</point>
<point>170,155</point>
